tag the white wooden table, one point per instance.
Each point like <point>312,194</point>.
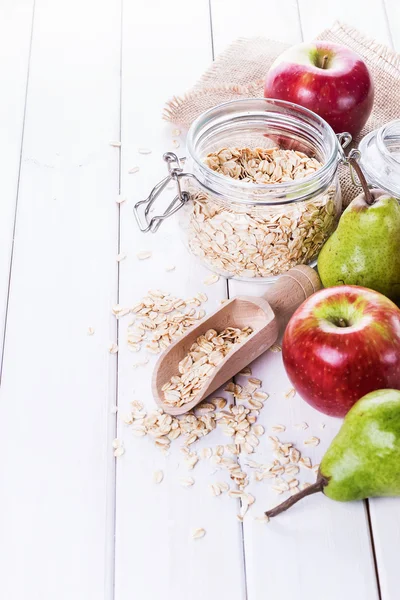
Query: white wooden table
<point>76,524</point>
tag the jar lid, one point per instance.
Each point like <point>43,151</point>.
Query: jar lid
<point>380,157</point>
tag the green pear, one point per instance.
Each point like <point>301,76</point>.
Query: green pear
<point>365,248</point>
<point>363,459</point>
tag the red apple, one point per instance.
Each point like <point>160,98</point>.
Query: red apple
<point>342,343</point>
<point>329,79</point>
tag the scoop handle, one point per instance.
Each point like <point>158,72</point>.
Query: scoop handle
<point>291,289</point>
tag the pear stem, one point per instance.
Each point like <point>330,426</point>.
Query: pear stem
<point>324,61</point>
<point>318,486</point>
<point>367,192</point>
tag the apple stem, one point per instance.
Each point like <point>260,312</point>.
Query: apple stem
<point>342,322</point>
<point>361,177</point>
<point>325,59</point>
<point>318,486</point>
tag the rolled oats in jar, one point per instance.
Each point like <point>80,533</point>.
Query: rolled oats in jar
<point>259,192</point>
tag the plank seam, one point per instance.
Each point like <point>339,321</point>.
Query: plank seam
<point>211,30</point>
<point>114,482</point>
<point>242,540</point>
<point>3,344</point>
<point>378,583</point>
<point>387,21</point>
<point>299,18</point>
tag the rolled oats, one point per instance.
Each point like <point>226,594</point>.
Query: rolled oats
<point>158,476</point>
<point>187,481</point>
<point>205,354</point>
<point>160,319</point>
<point>198,533</point>
<point>250,241</point>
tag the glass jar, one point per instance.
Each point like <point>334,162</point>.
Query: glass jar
<point>380,158</point>
<point>254,231</point>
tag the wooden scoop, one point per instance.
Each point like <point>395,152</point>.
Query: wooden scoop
<point>267,316</point>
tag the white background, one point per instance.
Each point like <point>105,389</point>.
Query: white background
<point>74,523</point>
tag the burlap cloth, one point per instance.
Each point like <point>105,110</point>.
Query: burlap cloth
<point>239,72</point>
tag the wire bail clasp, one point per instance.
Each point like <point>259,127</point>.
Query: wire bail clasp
<point>344,140</point>
<point>175,172</point>
<point>354,155</point>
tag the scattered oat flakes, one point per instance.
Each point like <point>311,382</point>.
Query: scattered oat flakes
<point>176,132</point>
<point>158,476</point>
<point>116,443</point>
<point>215,489</point>
<point>258,430</point>
<point>206,452</point>
<point>144,254</point>
<point>121,199</point>
<point>198,533</point>
<point>187,481</point>
<point>211,279</point>
<point>120,311</point>
<point>175,143</point>
<point>113,348</point>
<point>262,519</point>
<point>144,150</point>
<point>293,483</point>
<point>140,363</point>
<point>115,144</point>
<point>290,394</point>
<point>246,372</point>
<point>90,330</point>
<point>306,462</point>
<point>219,403</point>
<point>116,309</point>
<point>133,170</point>
<point>260,396</point>
<point>305,485</point>
<point>312,441</point>
<point>291,469</point>
<point>302,425</point>
<point>170,268</point>
<point>121,256</point>
<point>278,428</point>
<point>191,459</point>
<point>119,451</point>
<point>275,348</point>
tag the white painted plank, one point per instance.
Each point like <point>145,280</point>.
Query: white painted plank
<point>385,519</point>
<point>56,473</point>
<point>15,35</point>
<point>232,19</point>
<point>385,522</point>
<point>293,555</point>
<point>393,20</point>
<point>155,555</point>
<point>371,21</point>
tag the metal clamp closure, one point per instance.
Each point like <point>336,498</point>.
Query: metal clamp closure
<point>175,172</point>
<point>344,140</point>
<point>356,155</point>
